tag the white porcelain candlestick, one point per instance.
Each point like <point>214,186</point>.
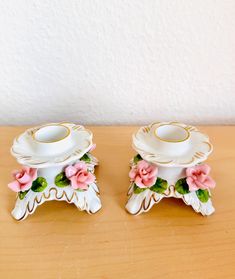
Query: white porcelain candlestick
<point>57,165</point>
<point>169,163</point>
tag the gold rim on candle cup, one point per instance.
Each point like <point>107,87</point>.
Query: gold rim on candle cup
<point>62,132</point>
<point>168,133</point>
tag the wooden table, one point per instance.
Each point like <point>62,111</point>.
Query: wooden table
<point>170,241</point>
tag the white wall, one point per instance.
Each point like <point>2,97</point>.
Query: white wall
<point>113,62</point>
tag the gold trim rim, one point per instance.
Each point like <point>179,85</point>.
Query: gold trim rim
<point>172,141</point>
<point>47,125</point>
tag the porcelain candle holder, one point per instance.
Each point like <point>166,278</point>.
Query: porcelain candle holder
<point>169,163</point>
<point>56,165</point>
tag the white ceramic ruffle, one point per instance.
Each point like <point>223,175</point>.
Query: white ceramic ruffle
<point>172,144</point>
<point>51,145</point>
<point>50,148</point>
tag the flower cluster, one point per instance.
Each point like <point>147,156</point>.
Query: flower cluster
<point>77,176</point>
<point>144,175</point>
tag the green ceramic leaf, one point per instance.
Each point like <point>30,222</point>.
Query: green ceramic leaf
<point>39,184</point>
<point>181,186</point>
<point>21,195</point>
<point>137,158</point>
<point>160,186</point>
<point>61,180</point>
<point>86,158</point>
<point>203,195</point>
<point>138,190</point>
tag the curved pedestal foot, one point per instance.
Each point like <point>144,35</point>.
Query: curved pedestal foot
<point>143,202</point>
<point>84,200</point>
<point>205,208</point>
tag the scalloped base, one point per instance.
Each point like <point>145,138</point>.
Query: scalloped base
<point>143,202</point>
<point>87,200</point>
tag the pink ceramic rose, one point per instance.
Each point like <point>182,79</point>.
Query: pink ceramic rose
<point>143,174</point>
<point>198,178</point>
<point>79,176</point>
<point>23,179</point>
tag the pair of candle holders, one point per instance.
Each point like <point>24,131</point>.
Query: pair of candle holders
<point>57,164</point>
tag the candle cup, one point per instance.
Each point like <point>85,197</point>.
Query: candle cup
<point>52,139</point>
<point>172,139</point>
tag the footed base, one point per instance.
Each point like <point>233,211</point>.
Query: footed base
<point>143,202</point>
<point>84,200</point>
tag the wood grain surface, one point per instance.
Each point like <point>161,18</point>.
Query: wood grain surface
<point>170,241</point>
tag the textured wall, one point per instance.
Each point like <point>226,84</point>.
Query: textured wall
<point>113,62</point>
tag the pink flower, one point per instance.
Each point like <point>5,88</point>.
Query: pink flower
<point>79,176</point>
<point>143,174</point>
<point>23,179</point>
<point>198,178</point>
